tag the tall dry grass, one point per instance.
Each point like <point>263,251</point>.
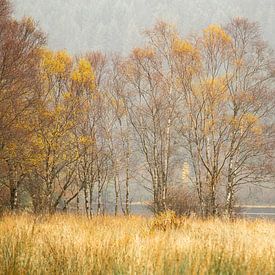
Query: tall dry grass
<point>66,244</point>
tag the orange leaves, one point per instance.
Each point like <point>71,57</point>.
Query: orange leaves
<point>83,74</point>
<point>143,53</point>
<point>252,122</point>
<point>187,57</point>
<point>118,106</point>
<point>61,64</point>
<point>67,96</point>
<point>249,118</point>
<point>215,34</point>
<point>65,80</point>
<point>217,84</point>
<point>183,47</point>
<point>56,63</point>
<point>247,122</point>
<point>216,42</point>
<point>85,140</point>
<point>62,108</point>
<point>215,89</point>
<point>238,63</point>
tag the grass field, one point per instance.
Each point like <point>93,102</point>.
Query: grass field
<point>66,244</point>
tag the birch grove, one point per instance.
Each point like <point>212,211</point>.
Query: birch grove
<point>83,133</point>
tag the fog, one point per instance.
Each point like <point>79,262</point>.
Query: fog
<point>116,25</point>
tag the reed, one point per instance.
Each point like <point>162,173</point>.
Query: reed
<point>68,244</point>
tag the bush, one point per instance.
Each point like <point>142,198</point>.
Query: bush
<point>166,221</point>
<point>181,201</point>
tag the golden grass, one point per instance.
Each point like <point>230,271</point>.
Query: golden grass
<point>67,244</point>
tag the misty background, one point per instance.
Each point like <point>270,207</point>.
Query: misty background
<point>116,25</point>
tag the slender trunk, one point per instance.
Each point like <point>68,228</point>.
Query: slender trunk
<point>200,196</point>
<point>229,201</point>
<point>13,186</point>
<point>213,201</point>
<point>91,189</point>
<point>127,208</point>
<point>67,202</point>
<point>77,203</point>
<point>230,177</point>
<point>229,192</point>
<point>156,193</point>
<point>127,191</point>
<point>164,194</point>
<point>65,207</point>
<point>14,197</point>
<point>213,206</point>
<point>166,167</point>
<point>116,195</point>
<point>99,200</point>
<point>86,199</point>
<point>49,198</point>
<point>230,174</point>
<point>168,144</point>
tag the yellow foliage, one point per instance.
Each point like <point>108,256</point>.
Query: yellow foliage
<point>189,57</point>
<point>215,34</point>
<point>257,129</point>
<point>145,53</point>
<point>216,87</point>
<point>245,122</point>
<point>118,105</point>
<point>238,62</point>
<point>209,125</point>
<point>11,148</point>
<point>249,118</point>
<point>183,47</point>
<point>84,74</point>
<point>36,160</point>
<point>166,221</point>
<point>85,140</point>
<point>56,62</point>
<point>38,142</point>
<point>59,109</point>
<point>67,95</point>
<point>252,121</point>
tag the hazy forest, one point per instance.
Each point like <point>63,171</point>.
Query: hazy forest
<point>177,128</point>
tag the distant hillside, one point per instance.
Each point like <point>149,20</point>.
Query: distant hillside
<point>115,25</point>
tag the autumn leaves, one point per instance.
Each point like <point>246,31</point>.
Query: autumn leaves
<point>212,93</point>
<point>85,127</point>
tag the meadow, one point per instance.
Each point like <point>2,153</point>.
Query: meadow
<point>68,244</point>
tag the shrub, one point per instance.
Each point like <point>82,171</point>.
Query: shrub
<point>181,201</point>
<point>166,221</point>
